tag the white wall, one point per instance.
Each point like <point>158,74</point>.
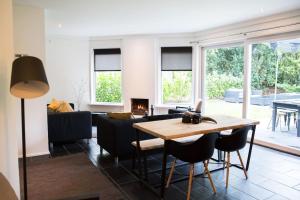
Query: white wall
<point>29,38</point>
<point>68,70</point>
<point>139,63</point>
<point>9,121</point>
<point>138,69</point>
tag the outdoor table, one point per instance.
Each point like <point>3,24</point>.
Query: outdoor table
<point>286,104</point>
<point>174,128</point>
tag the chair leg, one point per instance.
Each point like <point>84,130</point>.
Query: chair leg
<point>171,173</point>
<point>145,166</point>
<point>190,181</point>
<point>224,160</point>
<point>280,123</point>
<point>101,151</point>
<point>288,121</point>
<point>209,177</point>
<point>245,172</point>
<point>285,118</point>
<point>269,123</point>
<point>133,160</point>
<point>117,161</point>
<point>228,166</point>
<point>205,168</point>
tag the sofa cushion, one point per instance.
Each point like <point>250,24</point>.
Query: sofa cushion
<point>120,115</point>
<point>164,116</point>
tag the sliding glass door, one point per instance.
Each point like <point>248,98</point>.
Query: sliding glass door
<point>275,77</point>
<point>224,80</point>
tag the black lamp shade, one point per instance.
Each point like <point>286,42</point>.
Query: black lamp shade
<point>28,78</point>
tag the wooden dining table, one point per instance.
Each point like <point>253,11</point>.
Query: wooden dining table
<point>174,129</point>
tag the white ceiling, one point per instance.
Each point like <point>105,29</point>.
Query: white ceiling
<point>121,17</point>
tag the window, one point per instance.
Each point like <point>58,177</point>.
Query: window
<point>176,75</point>
<point>107,73</point>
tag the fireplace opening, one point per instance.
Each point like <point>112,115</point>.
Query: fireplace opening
<point>139,106</point>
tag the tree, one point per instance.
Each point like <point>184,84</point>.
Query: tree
<point>229,61</point>
<point>263,66</point>
<point>108,87</point>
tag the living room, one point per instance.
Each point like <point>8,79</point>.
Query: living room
<point>72,38</point>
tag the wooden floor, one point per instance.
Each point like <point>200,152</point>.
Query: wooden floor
<point>272,175</point>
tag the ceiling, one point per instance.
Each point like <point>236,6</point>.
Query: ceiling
<point>122,17</point>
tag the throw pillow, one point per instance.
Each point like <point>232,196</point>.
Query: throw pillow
<point>120,115</point>
<point>54,105</point>
<point>65,107</point>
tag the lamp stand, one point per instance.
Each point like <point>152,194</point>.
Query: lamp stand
<point>24,149</point>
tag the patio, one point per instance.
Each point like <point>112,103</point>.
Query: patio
<point>281,136</point>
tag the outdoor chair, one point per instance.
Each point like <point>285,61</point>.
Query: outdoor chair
<point>286,115</point>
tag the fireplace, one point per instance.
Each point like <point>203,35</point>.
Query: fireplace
<point>139,106</point>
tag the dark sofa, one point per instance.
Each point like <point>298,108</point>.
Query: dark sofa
<point>115,136</point>
<point>69,126</point>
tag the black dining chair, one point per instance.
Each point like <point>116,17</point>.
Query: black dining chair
<point>200,150</point>
<point>234,142</point>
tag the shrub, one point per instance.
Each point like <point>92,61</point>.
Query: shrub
<point>177,86</point>
<point>217,84</point>
<point>289,88</point>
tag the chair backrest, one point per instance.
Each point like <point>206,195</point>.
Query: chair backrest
<point>197,151</point>
<point>235,141</point>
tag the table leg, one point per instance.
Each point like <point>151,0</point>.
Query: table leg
<point>219,156</point>
<point>298,123</point>
<point>274,114</point>
<point>163,172</point>
<point>250,147</point>
<point>138,152</point>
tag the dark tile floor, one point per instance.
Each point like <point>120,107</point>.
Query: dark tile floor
<point>272,175</point>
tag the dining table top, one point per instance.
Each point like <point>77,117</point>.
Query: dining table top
<point>295,102</point>
<point>174,128</point>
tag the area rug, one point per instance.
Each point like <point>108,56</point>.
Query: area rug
<point>68,177</point>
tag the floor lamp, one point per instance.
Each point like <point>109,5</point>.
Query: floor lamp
<point>28,80</point>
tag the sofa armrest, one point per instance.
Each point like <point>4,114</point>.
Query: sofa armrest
<point>115,136</point>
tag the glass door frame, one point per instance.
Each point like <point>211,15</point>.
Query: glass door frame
<point>202,82</point>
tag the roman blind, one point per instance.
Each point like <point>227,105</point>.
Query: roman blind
<point>107,59</point>
<point>176,58</point>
